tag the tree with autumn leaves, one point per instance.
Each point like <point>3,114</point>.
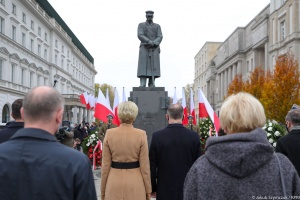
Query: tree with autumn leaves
<point>277,90</point>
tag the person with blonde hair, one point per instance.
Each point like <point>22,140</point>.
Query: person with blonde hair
<point>125,172</point>
<point>241,164</point>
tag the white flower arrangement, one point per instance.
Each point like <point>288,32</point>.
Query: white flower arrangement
<point>274,131</point>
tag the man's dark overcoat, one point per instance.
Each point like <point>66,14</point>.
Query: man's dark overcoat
<point>10,130</point>
<point>35,166</point>
<point>173,151</point>
<point>289,145</point>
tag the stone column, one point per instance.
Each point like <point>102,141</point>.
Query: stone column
<point>75,113</point>
<point>222,86</point>
<point>239,67</point>
<point>80,114</point>
<point>226,82</point>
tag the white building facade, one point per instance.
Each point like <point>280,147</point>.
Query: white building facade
<point>37,48</point>
<point>273,32</point>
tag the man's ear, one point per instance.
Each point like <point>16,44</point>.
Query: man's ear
<point>59,116</point>
<point>22,112</point>
<point>182,117</point>
<point>167,117</point>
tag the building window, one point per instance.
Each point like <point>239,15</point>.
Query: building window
<point>39,50</point>
<point>1,69</point>
<point>282,30</point>
<point>62,49</point>
<point>24,18</point>
<point>24,39</point>
<point>55,59</point>
<point>14,9</point>
<point>13,72</point>
<point>2,2</point>
<point>1,25</point>
<point>22,76</point>
<point>32,45</point>
<point>45,54</point>
<point>68,54</point>
<point>31,79</point>
<point>13,33</point>
<point>46,37</point>
<point>251,67</point>
<point>62,63</point>
<point>39,31</point>
<point>5,114</point>
<point>32,25</point>
<point>56,43</point>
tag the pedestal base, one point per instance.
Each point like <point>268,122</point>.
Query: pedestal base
<point>152,103</point>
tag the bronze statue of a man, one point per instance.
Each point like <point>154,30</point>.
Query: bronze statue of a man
<point>150,36</point>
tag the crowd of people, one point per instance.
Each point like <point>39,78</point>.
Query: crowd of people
<point>40,155</point>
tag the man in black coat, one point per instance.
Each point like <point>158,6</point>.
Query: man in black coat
<point>173,150</point>
<point>34,165</point>
<point>8,131</point>
<point>289,144</point>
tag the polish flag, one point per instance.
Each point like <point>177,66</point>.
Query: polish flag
<point>124,98</point>
<point>92,101</point>
<point>175,97</point>
<point>84,98</point>
<point>204,105</point>
<point>185,119</point>
<point>192,107</point>
<point>102,108</point>
<point>107,97</point>
<point>116,119</point>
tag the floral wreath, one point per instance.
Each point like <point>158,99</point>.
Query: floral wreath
<point>207,130</point>
<point>274,131</point>
<point>88,146</point>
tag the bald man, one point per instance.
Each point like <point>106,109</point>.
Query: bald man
<point>34,165</point>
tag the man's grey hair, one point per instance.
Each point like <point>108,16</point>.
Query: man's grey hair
<point>293,117</point>
<point>175,111</point>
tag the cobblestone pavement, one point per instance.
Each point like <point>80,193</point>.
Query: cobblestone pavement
<point>97,179</point>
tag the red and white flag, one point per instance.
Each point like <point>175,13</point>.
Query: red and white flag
<point>116,119</point>
<point>206,110</point>
<point>192,107</point>
<point>107,97</point>
<point>124,98</point>
<point>185,119</point>
<point>175,97</point>
<point>84,98</point>
<point>102,108</point>
<point>92,101</point>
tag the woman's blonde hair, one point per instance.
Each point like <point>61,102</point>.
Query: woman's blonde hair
<point>127,112</point>
<point>241,112</point>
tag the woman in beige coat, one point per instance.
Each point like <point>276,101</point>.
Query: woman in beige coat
<point>125,172</point>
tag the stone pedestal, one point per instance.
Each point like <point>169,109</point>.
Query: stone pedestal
<point>152,103</point>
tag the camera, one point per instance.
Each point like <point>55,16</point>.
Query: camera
<point>60,134</point>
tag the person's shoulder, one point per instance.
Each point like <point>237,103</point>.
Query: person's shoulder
<point>142,24</point>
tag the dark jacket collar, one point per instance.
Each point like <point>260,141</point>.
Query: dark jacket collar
<point>34,133</point>
<point>15,124</point>
<point>174,125</point>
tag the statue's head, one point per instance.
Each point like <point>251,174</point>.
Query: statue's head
<point>149,15</point>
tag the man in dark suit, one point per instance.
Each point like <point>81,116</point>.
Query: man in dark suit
<point>173,150</point>
<point>289,144</point>
<point>8,131</point>
<point>34,165</point>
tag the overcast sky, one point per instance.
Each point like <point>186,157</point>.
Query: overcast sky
<point>108,30</point>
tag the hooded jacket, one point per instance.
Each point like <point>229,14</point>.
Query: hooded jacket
<point>240,166</point>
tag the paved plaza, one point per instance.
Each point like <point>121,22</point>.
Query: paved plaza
<point>97,178</point>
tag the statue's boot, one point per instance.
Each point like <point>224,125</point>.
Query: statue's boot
<point>151,83</point>
<point>143,82</point>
